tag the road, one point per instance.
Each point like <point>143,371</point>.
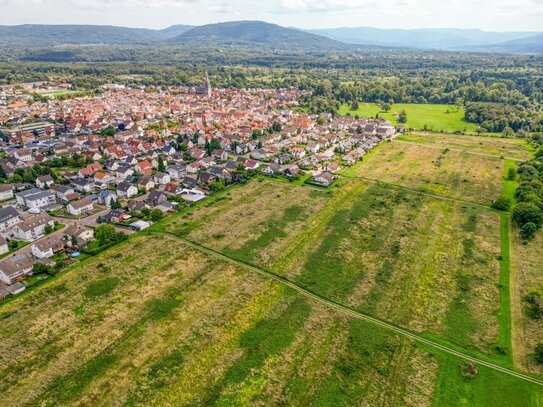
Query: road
<point>356,314</point>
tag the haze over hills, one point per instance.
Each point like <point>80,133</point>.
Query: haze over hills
<point>262,34</point>
<point>428,38</point>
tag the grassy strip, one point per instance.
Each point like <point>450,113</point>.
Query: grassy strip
<point>509,185</point>
<point>504,317</point>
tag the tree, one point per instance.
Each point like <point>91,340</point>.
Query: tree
<point>40,268</point>
<point>528,231</point>
<point>105,234</point>
<point>48,229</point>
<point>527,213</point>
<point>538,354</point>
<point>468,371</point>
<point>355,105</point>
<point>276,127</point>
<point>402,117</point>
<point>2,173</point>
<point>115,204</point>
<point>156,215</point>
<point>386,107</point>
<point>161,167</point>
<point>511,174</point>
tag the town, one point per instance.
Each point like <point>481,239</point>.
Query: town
<point>128,157</point>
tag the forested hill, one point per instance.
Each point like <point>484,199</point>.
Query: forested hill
<point>256,33</point>
<point>47,35</point>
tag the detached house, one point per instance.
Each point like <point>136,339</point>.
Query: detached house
<point>81,206</point>
<point>126,190</point>
<point>15,267</point>
<point>47,247</point>
<point>45,181</point>
<point>162,178</point>
<point>9,217</point>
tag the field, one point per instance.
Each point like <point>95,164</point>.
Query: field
<point>179,315</point>
<point>444,172</point>
<point>419,116</point>
<point>135,327</point>
<point>252,223</point>
<point>494,146</point>
<point>526,261</point>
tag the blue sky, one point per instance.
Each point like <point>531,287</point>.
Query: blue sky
<point>490,15</point>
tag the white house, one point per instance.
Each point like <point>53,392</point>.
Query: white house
<point>3,245</point>
<point>45,248</point>
<point>6,192</point>
<point>126,190</point>
<point>9,217</point>
<point>33,228</point>
<point>81,206</point>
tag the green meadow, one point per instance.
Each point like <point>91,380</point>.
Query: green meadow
<point>419,116</point>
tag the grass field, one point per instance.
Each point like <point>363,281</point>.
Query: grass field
<point>156,321</point>
<point>434,117</point>
<point>497,146</point>
<point>252,223</point>
<point>153,322</point>
<point>444,172</point>
<point>526,261</point>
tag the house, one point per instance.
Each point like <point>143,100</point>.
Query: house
<point>15,267</point>
<point>83,185</point>
<point>192,195</point>
<point>82,235</point>
<point>272,169</point>
<point>219,154</point>
<point>156,198</point>
<point>291,170</point>
<point>206,178</point>
<point>33,227</point>
<point>45,181</point>
<point>35,198</point>
<point>3,246</point>
<point>81,206</point>
<point>332,167</point>
<point>126,190</point>
<point>107,197</point>
<point>136,206</point>
<point>146,182</point>
<point>161,178</point>
<point>9,217</point>
<point>63,192</point>
<point>6,192</point>
<point>177,171</point>
<point>251,165</point>
<point>46,248</point>
<point>324,179</point>
<point>144,167</point>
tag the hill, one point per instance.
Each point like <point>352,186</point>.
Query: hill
<point>255,33</point>
<point>532,44</point>
<point>446,38</point>
<point>46,35</point>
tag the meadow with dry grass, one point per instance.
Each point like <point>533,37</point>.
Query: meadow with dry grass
<point>444,172</point>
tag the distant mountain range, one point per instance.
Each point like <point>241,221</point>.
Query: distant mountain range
<point>261,34</point>
<point>439,38</point>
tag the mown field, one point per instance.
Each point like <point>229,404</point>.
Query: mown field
<point>419,116</point>
<point>445,172</point>
<point>154,322</point>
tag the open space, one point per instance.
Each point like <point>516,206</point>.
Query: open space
<point>444,172</point>
<point>154,322</point>
<point>437,117</point>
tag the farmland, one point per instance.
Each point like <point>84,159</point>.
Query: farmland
<point>444,172</point>
<point>436,117</point>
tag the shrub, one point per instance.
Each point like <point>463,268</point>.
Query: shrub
<point>528,231</point>
<point>538,354</point>
<point>502,203</point>
<point>468,371</point>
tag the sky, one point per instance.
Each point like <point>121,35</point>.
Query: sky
<point>489,15</point>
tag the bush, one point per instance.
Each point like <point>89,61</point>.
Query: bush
<point>538,354</point>
<point>502,203</point>
<point>533,308</point>
<point>468,371</point>
<point>527,213</point>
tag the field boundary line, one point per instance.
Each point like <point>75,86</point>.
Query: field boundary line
<point>459,150</point>
<point>356,314</point>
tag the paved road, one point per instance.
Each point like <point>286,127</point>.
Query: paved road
<point>348,311</point>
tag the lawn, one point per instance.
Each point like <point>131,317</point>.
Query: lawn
<point>419,116</point>
<point>443,172</point>
<point>153,322</point>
